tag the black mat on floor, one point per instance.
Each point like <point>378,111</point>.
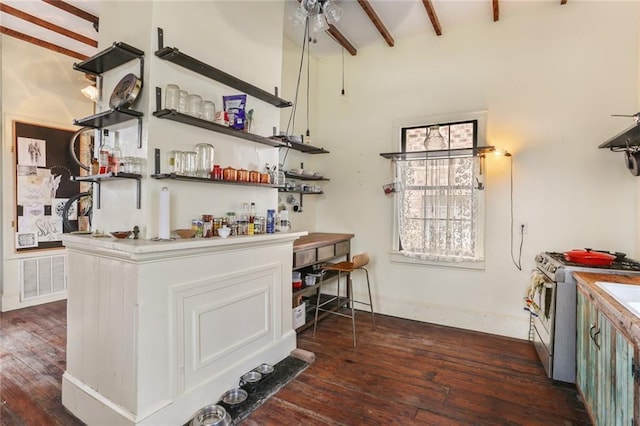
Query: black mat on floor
<point>283,372</point>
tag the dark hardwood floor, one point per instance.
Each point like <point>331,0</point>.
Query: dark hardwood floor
<point>403,373</point>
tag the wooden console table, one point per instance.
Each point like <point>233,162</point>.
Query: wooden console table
<point>310,253</point>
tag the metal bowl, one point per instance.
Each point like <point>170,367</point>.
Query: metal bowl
<point>211,415</point>
<point>250,377</point>
<point>234,396</point>
<point>264,369</point>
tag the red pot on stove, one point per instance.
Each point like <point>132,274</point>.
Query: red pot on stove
<point>590,258</point>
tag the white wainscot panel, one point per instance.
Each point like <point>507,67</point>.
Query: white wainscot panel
<point>220,319</point>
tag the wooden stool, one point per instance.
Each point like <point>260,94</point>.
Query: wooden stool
<point>358,262</point>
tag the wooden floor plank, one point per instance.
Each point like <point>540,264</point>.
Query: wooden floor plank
<point>404,372</point>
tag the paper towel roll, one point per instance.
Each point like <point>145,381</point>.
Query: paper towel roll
<point>163,214</point>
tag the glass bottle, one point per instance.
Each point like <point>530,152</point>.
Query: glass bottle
<point>244,220</point>
<point>252,219</point>
<point>116,156</point>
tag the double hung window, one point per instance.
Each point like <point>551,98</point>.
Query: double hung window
<point>439,203</point>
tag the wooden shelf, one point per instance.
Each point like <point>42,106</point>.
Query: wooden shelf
<point>446,153</point>
<point>174,55</point>
<point>303,177</point>
<point>297,191</point>
<point>98,179</point>
<point>119,53</point>
<point>173,176</point>
<point>629,137</point>
<point>173,115</point>
<point>108,118</point>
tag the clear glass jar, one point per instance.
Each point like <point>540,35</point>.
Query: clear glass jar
<point>205,159</point>
<point>208,110</point>
<point>182,101</point>
<point>176,162</point>
<point>190,163</point>
<point>194,105</point>
<point>171,96</point>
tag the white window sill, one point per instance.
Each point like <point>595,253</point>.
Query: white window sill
<point>397,257</point>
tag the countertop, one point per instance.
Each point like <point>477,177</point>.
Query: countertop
<point>319,239</point>
<point>623,319</point>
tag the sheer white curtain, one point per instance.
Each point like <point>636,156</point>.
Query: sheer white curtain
<point>437,202</point>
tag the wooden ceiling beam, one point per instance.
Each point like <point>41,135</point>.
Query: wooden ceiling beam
<point>563,2</point>
<point>496,10</point>
<point>75,11</point>
<point>48,25</point>
<point>373,16</point>
<point>41,43</point>
<point>341,40</point>
<point>432,16</point>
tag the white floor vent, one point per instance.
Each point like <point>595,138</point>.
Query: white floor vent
<point>42,276</point>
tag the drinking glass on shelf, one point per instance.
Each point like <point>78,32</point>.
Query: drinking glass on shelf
<point>176,162</point>
<point>208,110</point>
<point>194,105</point>
<point>171,96</point>
<point>182,101</point>
<point>190,163</point>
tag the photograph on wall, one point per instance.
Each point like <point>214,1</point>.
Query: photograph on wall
<point>44,171</point>
<point>26,240</point>
<point>32,152</point>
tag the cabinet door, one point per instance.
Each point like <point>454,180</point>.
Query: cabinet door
<point>616,393</point>
<point>587,353</point>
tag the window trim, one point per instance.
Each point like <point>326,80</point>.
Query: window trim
<point>424,121</point>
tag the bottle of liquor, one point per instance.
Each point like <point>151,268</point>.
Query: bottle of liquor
<point>243,223</point>
<point>252,219</point>
<point>116,155</point>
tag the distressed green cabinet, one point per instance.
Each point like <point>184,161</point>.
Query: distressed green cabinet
<point>605,373</point>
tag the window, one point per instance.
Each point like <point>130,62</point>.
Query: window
<point>439,203</point>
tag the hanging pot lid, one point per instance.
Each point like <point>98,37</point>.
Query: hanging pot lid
<point>632,161</point>
<point>588,257</point>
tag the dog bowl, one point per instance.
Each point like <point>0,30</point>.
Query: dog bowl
<point>234,396</point>
<point>185,233</point>
<point>264,369</point>
<point>250,377</point>
<point>211,415</point>
<point>121,234</point>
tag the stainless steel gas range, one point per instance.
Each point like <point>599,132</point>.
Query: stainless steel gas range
<point>554,327</point>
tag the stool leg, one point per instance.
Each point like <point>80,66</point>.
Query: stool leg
<point>373,319</point>
<point>353,312</point>
<point>315,322</point>
<point>338,292</point>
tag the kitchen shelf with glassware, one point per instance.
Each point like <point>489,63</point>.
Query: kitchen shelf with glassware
<point>174,176</point>
<point>99,178</point>
<point>125,92</point>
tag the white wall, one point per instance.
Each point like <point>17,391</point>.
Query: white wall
<point>38,86</point>
<point>549,77</point>
<point>241,38</point>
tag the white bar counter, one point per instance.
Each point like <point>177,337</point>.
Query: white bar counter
<point>157,330</point>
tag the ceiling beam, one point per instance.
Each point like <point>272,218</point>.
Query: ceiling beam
<point>48,25</point>
<point>432,16</point>
<point>341,40</point>
<point>41,43</point>
<point>75,11</point>
<point>373,16</point>
<point>496,11</point>
<point>563,2</point>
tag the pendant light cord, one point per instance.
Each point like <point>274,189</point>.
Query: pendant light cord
<point>308,75</point>
<point>517,264</point>
<point>292,117</point>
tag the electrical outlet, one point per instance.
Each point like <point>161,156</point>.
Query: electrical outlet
<point>524,228</point>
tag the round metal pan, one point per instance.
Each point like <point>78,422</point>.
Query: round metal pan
<point>125,92</point>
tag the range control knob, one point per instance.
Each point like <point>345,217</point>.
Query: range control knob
<point>552,269</point>
<point>539,258</point>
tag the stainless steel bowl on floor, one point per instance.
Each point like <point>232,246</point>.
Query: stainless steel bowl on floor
<point>250,377</point>
<point>212,415</point>
<point>264,369</point>
<point>234,396</point>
